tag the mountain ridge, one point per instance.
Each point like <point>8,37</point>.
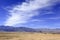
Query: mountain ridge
<point>26,29</point>
<point>13,29</point>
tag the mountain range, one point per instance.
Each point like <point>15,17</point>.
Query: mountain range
<point>16,29</point>
<point>26,29</point>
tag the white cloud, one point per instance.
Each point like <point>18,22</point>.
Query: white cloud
<point>22,13</point>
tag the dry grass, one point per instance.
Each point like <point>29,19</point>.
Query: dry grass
<point>28,36</point>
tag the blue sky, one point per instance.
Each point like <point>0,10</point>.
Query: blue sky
<point>30,13</point>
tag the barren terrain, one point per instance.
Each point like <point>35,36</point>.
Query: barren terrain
<point>28,36</point>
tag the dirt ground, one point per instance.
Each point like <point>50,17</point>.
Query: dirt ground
<point>28,36</point>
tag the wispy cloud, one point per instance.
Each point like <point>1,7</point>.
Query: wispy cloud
<point>37,20</point>
<point>22,13</point>
<point>54,18</point>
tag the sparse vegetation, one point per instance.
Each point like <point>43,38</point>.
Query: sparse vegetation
<point>28,36</point>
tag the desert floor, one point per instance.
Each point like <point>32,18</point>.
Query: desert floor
<point>28,36</point>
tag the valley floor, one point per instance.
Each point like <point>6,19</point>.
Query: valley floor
<point>28,36</point>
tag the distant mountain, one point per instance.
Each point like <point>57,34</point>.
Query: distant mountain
<point>26,29</point>
<point>46,30</point>
<point>16,29</point>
